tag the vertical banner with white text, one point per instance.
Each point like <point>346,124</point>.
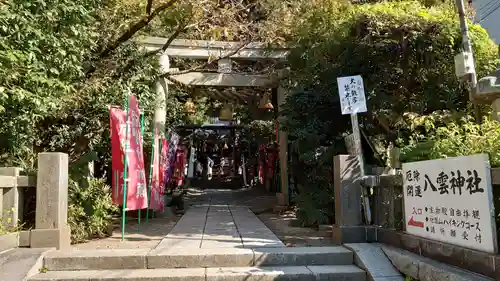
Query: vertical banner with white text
<point>136,176</point>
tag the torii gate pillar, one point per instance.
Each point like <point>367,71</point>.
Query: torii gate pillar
<point>283,153</point>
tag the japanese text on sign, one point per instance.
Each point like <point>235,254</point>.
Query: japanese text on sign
<point>352,94</point>
<point>450,200</point>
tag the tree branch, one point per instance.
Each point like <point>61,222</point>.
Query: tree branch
<point>135,28</point>
<point>209,61</point>
<point>149,7</point>
<point>165,46</point>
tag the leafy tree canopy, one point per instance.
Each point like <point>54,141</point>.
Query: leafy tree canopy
<point>405,53</point>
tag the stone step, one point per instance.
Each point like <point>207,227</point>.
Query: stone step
<point>194,258</point>
<point>285,273</point>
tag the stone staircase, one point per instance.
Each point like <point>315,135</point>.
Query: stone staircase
<point>201,264</point>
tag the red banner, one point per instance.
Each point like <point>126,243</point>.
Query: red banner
<point>136,175</point>
<point>157,200</point>
<point>163,164</point>
<point>117,124</point>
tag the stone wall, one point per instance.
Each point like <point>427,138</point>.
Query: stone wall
<point>388,213</point>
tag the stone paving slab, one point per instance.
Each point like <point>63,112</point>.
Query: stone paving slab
<point>372,258</point>
<point>21,263</point>
<point>219,226</point>
<point>254,233</point>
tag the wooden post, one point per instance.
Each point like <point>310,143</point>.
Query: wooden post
<point>283,151</point>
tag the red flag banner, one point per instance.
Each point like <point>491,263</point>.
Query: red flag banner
<point>137,195</point>
<point>117,124</point>
<point>136,175</point>
<point>157,200</point>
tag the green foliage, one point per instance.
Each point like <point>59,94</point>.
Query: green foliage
<point>6,228</point>
<point>261,131</point>
<point>403,50</point>
<point>437,137</point>
<point>90,210</point>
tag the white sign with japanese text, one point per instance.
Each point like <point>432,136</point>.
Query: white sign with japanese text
<point>451,200</point>
<point>352,94</point>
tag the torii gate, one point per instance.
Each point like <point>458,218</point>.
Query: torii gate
<point>223,52</point>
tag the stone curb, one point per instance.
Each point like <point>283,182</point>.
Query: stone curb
<point>370,257</point>
<point>193,258</point>
<point>425,269</point>
<point>285,273</point>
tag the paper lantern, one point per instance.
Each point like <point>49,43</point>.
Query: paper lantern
<point>265,103</point>
<point>189,107</point>
<point>226,113</point>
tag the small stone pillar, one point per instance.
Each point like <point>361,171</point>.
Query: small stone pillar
<point>12,199</point>
<point>51,226</point>
<point>348,227</point>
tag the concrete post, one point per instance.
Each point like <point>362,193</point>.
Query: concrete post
<point>12,199</point>
<point>348,226</point>
<point>51,225</point>
<point>283,153</point>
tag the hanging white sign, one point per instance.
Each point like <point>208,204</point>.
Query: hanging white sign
<point>451,200</point>
<point>352,94</point>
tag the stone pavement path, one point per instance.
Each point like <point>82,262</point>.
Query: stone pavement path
<point>216,225</point>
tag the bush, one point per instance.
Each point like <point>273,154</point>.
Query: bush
<point>441,137</point>
<point>405,53</point>
<point>90,210</point>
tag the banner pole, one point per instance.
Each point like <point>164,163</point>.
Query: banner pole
<point>151,167</point>
<point>125,167</point>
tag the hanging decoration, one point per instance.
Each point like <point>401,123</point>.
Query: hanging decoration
<point>190,107</point>
<point>265,103</point>
<point>226,112</point>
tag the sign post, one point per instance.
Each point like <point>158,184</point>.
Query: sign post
<point>352,102</point>
<point>451,200</point>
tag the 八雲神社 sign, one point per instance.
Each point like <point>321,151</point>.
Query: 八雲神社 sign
<point>451,200</point>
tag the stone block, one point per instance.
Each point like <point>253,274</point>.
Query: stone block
<point>404,263</point>
<point>371,234</point>
<point>478,262</point>
<point>12,199</point>
<point>347,189</point>
<point>52,191</point>
<point>96,259</point>
<point>423,268</point>
<point>497,268</point>
<point>189,258</point>
<point>411,243</point>
<point>24,238</point>
<point>280,197</point>
<point>348,234</point>
<point>289,273</point>
<point>338,272</point>
<point>302,256</point>
<point>389,237</point>
<point>9,241</point>
<point>442,252</point>
<point>51,238</point>
<point>171,274</point>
